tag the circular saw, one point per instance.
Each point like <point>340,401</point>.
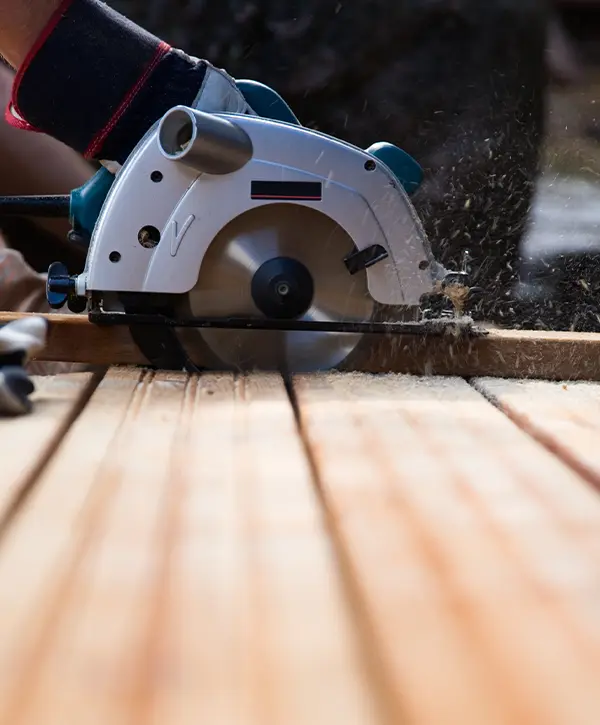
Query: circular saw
<point>238,241</point>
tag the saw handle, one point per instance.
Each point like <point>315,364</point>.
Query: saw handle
<point>82,206</point>
<point>266,102</point>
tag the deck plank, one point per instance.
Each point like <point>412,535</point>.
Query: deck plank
<point>565,417</point>
<point>481,591</point>
<point>44,548</point>
<point>507,353</point>
<point>173,566</point>
<point>27,442</point>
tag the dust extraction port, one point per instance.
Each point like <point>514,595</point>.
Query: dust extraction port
<point>204,142</point>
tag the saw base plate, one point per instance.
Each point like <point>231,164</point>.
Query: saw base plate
<point>167,348</point>
<point>463,326</point>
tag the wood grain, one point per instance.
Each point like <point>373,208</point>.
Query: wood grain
<point>172,566</point>
<point>48,545</point>
<point>73,339</point>
<point>503,353</point>
<point>564,417</point>
<point>27,442</point>
<point>473,551</point>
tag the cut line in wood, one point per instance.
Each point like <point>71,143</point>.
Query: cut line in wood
<point>502,353</point>
<point>479,584</point>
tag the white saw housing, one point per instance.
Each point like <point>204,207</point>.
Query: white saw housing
<point>193,173</point>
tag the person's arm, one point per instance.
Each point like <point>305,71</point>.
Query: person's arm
<point>22,23</point>
<point>91,78</point>
<point>36,163</point>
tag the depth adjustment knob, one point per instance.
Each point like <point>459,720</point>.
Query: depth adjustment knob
<point>61,289</point>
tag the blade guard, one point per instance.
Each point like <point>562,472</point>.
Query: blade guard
<point>183,198</point>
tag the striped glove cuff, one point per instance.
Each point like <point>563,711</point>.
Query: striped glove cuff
<point>97,82</point>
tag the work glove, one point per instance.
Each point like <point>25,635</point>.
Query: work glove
<point>19,342</point>
<point>97,82</point>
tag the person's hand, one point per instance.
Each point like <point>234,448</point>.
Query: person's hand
<point>19,342</point>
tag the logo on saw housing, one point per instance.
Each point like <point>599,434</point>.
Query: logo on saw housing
<point>287,190</point>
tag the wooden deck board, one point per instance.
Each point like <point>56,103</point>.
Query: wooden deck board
<point>45,546</point>
<point>501,353</point>
<point>172,566</point>
<point>376,550</point>
<point>481,593</point>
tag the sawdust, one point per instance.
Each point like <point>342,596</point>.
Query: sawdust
<point>458,295</point>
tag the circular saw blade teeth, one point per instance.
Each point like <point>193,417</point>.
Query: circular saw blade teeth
<point>225,289</point>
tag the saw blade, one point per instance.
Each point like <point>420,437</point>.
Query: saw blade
<point>246,255</point>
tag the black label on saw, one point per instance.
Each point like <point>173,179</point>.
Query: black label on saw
<point>288,190</point>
